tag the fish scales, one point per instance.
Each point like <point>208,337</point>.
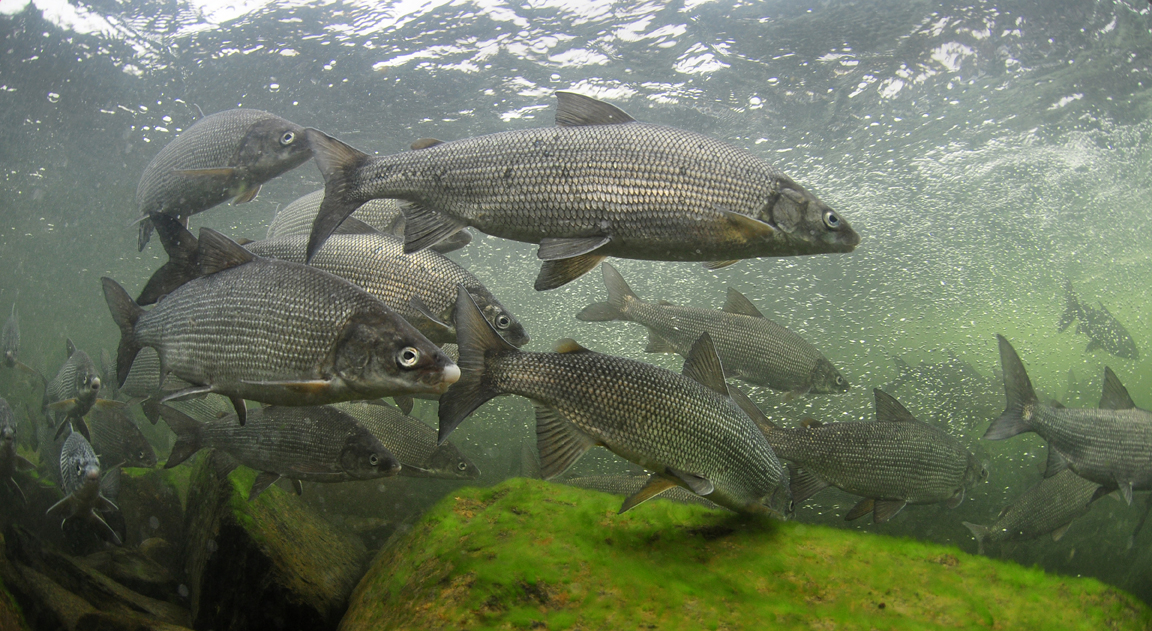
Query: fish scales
<point>412,441</point>
<point>1045,507</point>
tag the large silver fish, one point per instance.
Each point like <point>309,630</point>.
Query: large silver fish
<point>10,461</point>
<point>1048,507</point>
<point>684,428</point>
<point>751,347</point>
<point>1110,445</point>
<point>226,155</point>
<point>382,214</point>
<point>81,485</point>
<point>1102,328</point>
<point>894,461</point>
<point>311,444</point>
<point>73,392</point>
<point>118,440</point>
<point>412,441</point>
<point>599,184</point>
<point>276,332</point>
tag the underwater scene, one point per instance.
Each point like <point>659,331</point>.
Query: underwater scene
<point>474,314</point>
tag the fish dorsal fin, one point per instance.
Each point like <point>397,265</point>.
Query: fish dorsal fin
<point>569,345</point>
<point>69,346</point>
<point>424,143</point>
<point>1115,395</point>
<point>889,409</point>
<point>574,110</point>
<point>808,423</point>
<point>703,365</point>
<point>740,305</point>
<point>218,252</point>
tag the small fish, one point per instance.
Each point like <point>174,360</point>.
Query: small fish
<point>118,440</point>
<point>1110,445</point>
<point>10,461</point>
<point>412,441</point>
<point>382,214</point>
<point>311,444</point>
<point>687,428</point>
<point>276,332</point>
<point>10,343</point>
<point>73,392</point>
<point>81,484</point>
<point>893,461</point>
<point>1102,329</point>
<point>751,347</point>
<point>226,155</point>
<point>598,184</point>
<point>1048,507</point>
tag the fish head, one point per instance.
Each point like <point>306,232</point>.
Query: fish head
<point>778,502</point>
<point>826,379</point>
<point>364,457</point>
<point>387,356</point>
<point>273,146</point>
<point>87,377</point>
<point>7,421</point>
<point>139,453</point>
<point>504,322</point>
<point>809,223</point>
<point>977,470</point>
<point>448,462</point>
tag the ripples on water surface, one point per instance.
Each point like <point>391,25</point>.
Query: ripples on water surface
<point>984,152</point>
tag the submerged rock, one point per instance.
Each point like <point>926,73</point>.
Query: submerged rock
<point>272,563</point>
<point>530,554</point>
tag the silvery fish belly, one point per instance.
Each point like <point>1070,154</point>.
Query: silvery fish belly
<point>751,347</point>
<point>599,184</point>
<point>688,433</point>
<point>277,332</point>
<point>420,286</point>
<point>1110,445</point>
<point>412,441</point>
<point>227,155</point>
<point>1047,507</point>
<point>892,461</point>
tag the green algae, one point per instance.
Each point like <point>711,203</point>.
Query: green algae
<point>529,554</point>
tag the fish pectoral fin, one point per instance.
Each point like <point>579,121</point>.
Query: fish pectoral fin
<point>19,491</point>
<point>105,504</point>
<point>956,499</point>
<point>247,195</point>
<point>657,344</point>
<point>186,393</point>
<point>1125,491</point>
<point>748,227</point>
<point>711,265</point>
<point>65,502</point>
<point>1114,396</point>
<point>703,365</point>
<point>862,508</point>
<point>416,303</point>
<point>738,304</point>
<point>215,172</point>
<point>698,484</point>
<point>574,110</point>
<point>264,479</point>
<point>555,249</point>
<point>560,272</point>
<point>405,403</point>
<point>1059,532</point>
<point>240,407</point>
<point>102,525</point>
<point>884,510</point>
<point>656,485</point>
<point>425,227</point>
<point>108,404</point>
<point>1056,462</point>
<point>560,442</point>
<point>805,484</point>
<point>65,405</point>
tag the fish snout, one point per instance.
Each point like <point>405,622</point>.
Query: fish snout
<point>92,473</point>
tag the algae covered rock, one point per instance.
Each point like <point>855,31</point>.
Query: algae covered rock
<point>528,554</point>
<point>272,563</point>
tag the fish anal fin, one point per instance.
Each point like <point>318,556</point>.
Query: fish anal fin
<point>805,484</point>
<point>1056,462</point>
<point>560,272</point>
<point>703,365</point>
<point>560,443</point>
<point>574,110</point>
<point>425,227</point>
<point>264,479</point>
<point>656,485</point>
<point>657,344</point>
<point>886,509</point>
<point>738,304</point>
<point>555,249</point>
<point>247,195</point>
<point>862,508</point>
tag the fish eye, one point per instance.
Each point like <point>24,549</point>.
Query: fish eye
<point>287,138</point>
<point>461,466</point>
<point>373,460</point>
<point>408,357</point>
<point>503,321</point>
<point>839,380</point>
<point>831,219</point>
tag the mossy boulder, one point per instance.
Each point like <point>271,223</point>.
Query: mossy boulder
<point>272,563</point>
<point>528,554</point>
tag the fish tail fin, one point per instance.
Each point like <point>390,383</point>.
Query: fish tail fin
<point>183,259</point>
<point>1017,415</point>
<point>619,293</point>
<point>125,313</point>
<point>337,161</point>
<point>980,533</point>
<point>1071,307</point>
<point>479,343</point>
<point>188,437</point>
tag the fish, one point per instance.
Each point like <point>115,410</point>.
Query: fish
<point>10,344</point>
<point>73,392</point>
<point>144,379</point>
<point>893,461</point>
<point>118,440</point>
<point>420,287</point>
<point>81,484</point>
<point>629,485</point>
<point>227,155</point>
<point>310,444</point>
<point>1102,328</point>
<point>412,441</point>
<point>382,214</point>
<point>598,184</point>
<point>1047,507</point>
<point>276,332</point>
<point>687,429</point>
<point>751,347</point>
<point>1110,445</point>
<point>10,461</point>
